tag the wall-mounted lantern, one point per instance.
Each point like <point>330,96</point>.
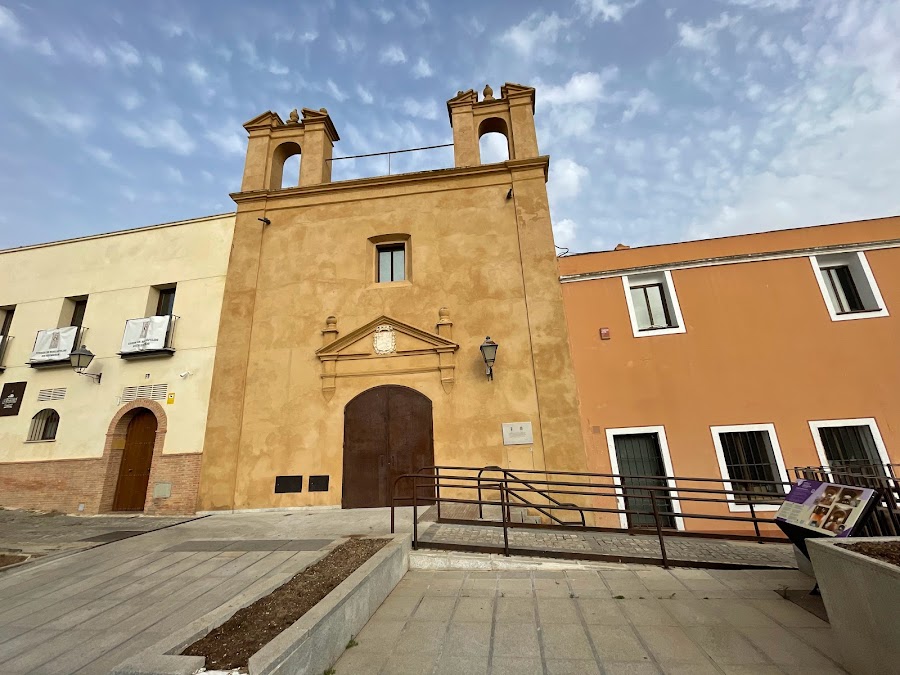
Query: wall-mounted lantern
<point>81,358</point>
<point>489,354</point>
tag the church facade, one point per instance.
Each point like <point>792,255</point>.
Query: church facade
<point>354,312</point>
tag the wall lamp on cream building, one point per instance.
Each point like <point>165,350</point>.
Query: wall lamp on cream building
<point>81,358</point>
<point>489,354</point>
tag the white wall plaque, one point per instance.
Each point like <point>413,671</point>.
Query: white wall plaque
<point>517,433</point>
<point>385,342</point>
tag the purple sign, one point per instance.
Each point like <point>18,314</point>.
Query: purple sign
<point>827,508</point>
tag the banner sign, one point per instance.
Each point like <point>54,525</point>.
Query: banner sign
<point>829,509</point>
<point>145,334</point>
<point>54,345</point>
<point>11,398</point>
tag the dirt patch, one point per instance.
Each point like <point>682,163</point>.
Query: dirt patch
<point>886,551</point>
<point>7,560</point>
<point>233,643</point>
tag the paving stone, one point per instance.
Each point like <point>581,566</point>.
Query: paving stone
<point>470,639</point>
<point>516,640</point>
<point>725,645</point>
<point>409,664</point>
<point>380,635</point>
<point>785,649</point>
<point>515,610</point>
<point>692,612</point>
<point>454,665</point>
<point>601,611</point>
<point>565,641</point>
<point>515,588</point>
<point>504,665</point>
<point>558,611</point>
<point>751,670</point>
<point>421,636</point>
<point>435,609</point>
<point>397,607</point>
<point>787,613</point>
<point>630,668</point>
<point>617,643</point>
<point>474,609</point>
<point>647,612</point>
<point>571,667</point>
<point>358,662</point>
<point>705,668</point>
<point>670,644</point>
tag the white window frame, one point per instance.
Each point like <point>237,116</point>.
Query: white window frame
<point>660,432</point>
<point>817,264</point>
<point>665,278</point>
<point>723,465</point>
<point>815,425</point>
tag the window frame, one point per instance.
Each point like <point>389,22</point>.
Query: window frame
<point>161,292</point>
<point>33,421</point>
<point>660,432</point>
<point>391,246</point>
<point>664,279</point>
<point>723,464</point>
<point>815,425</point>
<point>823,262</point>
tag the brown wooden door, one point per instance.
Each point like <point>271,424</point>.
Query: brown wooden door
<point>387,433</point>
<point>134,472</point>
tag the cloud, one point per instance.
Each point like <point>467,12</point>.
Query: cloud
<point>198,74</point>
<point>393,55</point>
<point>102,157</point>
<point>645,101</point>
<point>494,148</point>
<point>11,30</point>
<point>566,179</point>
<point>422,69</point>
<point>606,10</point>
<point>165,134</point>
<point>227,140</point>
<point>46,113</point>
<point>127,55</point>
<point>278,69</point>
<point>535,35</point>
<point>81,49</point>
<point>335,91</point>
<point>155,63</point>
<point>174,175</point>
<point>384,15</point>
<point>564,232</point>
<point>704,38</point>
<point>427,109</point>
<point>130,100</point>
<point>364,95</point>
<point>581,88</point>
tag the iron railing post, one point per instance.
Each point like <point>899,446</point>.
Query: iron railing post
<point>753,516</point>
<point>503,513</point>
<point>437,491</point>
<point>662,543</point>
<point>415,540</point>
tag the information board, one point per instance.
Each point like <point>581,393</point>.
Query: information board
<point>828,509</point>
<point>11,398</point>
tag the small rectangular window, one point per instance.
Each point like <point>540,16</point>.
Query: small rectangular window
<point>8,313</point>
<point>852,449</point>
<point>166,304</point>
<point>749,459</point>
<point>650,307</point>
<point>391,262</point>
<point>652,304</point>
<point>848,286</point>
<point>78,310</point>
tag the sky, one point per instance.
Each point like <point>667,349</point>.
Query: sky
<point>665,120</point>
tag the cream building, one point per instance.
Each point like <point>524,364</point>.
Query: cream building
<point>63,435</point>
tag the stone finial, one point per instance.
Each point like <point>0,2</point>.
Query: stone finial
<point>621,247</point>
<point>330,332</point>
<point>324,111</point>
<point>331,322</point>
<point>488,93</point>
<point>294,117</point>
<point>459,93</point>
<point>444,313</point>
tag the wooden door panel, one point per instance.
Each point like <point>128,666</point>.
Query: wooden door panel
<point>134,471</point>
<point>387,433</point>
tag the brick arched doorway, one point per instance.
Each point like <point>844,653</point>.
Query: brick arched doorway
<point>143,419</point>
<point>387,433</point>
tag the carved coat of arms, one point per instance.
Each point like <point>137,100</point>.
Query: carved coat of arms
<point>385,341</point>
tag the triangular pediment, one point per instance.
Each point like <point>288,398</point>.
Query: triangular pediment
<point>267,119</point>
<point>409,340</point>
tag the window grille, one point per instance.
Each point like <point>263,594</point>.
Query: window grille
<point>44,425</point>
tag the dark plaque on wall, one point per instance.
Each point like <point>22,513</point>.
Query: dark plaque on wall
<point>318,483</point>
<point>288,484</point>
<point>11,398</point>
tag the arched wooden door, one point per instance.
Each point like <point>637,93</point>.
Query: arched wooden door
<point>387,433</point>
<point>134,472</point>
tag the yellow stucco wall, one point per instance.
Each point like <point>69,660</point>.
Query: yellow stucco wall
<point>116,272</point>
<point>490,260</point>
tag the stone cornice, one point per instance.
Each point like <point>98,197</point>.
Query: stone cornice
<point>542,162</point>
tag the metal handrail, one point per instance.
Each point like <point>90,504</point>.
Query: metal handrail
<point>536,507</point>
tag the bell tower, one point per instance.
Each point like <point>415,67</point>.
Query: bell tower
<point>511,115</point>
<point>273,141</point>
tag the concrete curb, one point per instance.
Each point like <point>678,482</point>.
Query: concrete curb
<point>861,596</point>
<point>312,644</point>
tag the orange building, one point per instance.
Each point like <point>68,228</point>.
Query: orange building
<point>740,357</point>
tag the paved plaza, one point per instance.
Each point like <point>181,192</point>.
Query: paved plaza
<point>624,619</point>
<point>85,611</point>
<point>613,544</point>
